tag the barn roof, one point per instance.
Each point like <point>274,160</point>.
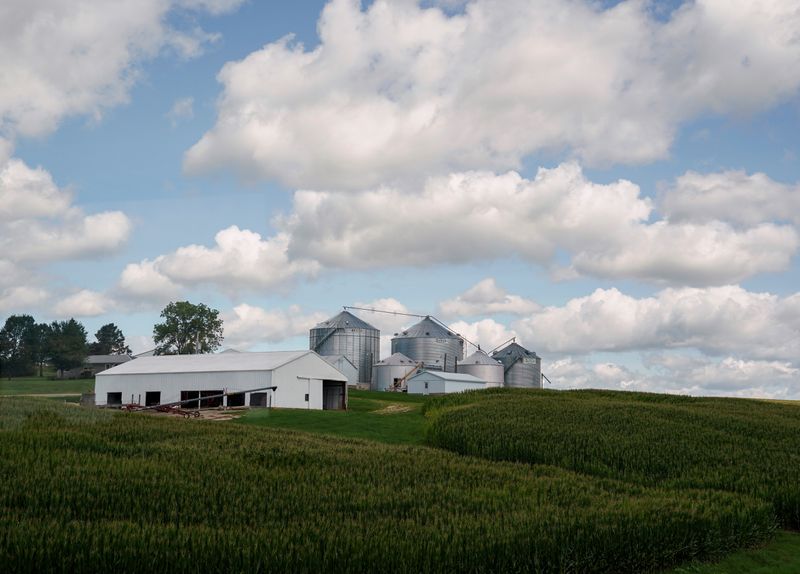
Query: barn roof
<point>223,362</point>
<point>454,377</point>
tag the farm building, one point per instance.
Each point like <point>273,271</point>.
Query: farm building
<point>95,364</point>
<point>304,380</point>
<point>344,366</point>
<point>440,383</point>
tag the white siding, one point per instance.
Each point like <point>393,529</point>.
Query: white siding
<point>437,386</point>
<point>295,379</point>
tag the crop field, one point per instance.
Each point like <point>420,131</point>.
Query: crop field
<point>85,490</point>
<point>736,445</point>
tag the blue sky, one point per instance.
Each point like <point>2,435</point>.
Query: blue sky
<point>616,183</point>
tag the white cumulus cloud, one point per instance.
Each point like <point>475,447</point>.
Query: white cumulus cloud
<point>396,89</point>
<point>486,298</point>
<point>84,303</point>
<point>248,325</point>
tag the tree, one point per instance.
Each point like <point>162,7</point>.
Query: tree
<point>17,345</point>
<point>67,345</point>
<point>39,342</point>
<point>110,341</point>
<point>187,329</point>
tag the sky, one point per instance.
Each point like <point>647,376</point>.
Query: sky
<point>615,184</point>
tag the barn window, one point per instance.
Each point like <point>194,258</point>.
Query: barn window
<point>306,397</point>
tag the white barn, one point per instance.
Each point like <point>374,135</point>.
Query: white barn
<point>304,380</point>
<point>440,383</point>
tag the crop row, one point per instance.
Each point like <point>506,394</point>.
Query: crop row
<point>735,445</point>
<point>137,493</point>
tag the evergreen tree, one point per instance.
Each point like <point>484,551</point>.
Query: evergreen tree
<point>67,345</point>
<point>110,341</point>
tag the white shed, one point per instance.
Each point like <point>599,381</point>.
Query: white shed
<point>440,383</point>
<point>344,366</point>
<point>303,380</point>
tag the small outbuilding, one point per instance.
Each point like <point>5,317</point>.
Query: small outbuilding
<point>441,383</point>
<point>304,380</point>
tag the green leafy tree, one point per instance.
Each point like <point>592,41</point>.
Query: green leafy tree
<point>110,341</point>
<point>4,349</point>
<point>16,345</point>
<point>38,340</point>
<point>67,345</point>
<point>187,329</point>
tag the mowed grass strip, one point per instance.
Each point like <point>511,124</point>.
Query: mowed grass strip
<point>737,445</point>
<point>394,418</point>
<point>44,386</point>
<point>87,490</point>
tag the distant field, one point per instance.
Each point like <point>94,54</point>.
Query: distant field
<point>88,490</point>
<point>738,445</point>
<point>44,386</point>
<point>394,418</point>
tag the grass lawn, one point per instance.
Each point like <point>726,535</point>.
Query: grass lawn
<point>394,418</point>
<point>44,386</point>
<point>781,556</point>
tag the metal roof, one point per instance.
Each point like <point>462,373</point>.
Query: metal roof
<point>396,359</point>
<point>427,328</point>
<point>345,320</point>
<point>479,358</point>
<point>223,362</point>
<point>455,377</point>
<point>105,359</point>
<point>333,359</point>
<point>513,351</point>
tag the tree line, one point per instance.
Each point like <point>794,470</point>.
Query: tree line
<point>26,346</point>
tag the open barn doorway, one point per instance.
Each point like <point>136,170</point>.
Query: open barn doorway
<point>333,395</point>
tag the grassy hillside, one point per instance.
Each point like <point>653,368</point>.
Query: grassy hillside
<point>44,386</point>
<point>743,446</point>
<point>88,490</point>
<point>394,418</point>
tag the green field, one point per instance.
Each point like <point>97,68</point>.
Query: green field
<point>91,490</point>
<point>133,492</point>
<point>393,418</point>
<point>44,386</point>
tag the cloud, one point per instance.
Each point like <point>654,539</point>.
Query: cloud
<point>239,260</point>
<point>395,89</point>
<point>607,229</point>
<point>727,320</point>
<point>143,281</point>
<point>681,374</point>
<point>486,298</point>
<point>59,59</point>
<point>182,109</point>
<point>734,196</point>
<point>247,325</point>
<point>21,298</point>
<point>487,333</point>
<point>84,303</point>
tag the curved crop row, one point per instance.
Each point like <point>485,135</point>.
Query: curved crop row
<point>736,445</point>
<point>139,493</point>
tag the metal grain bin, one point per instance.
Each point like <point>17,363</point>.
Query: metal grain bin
<point>482,366</point>
<point>345,334</point>
<point>522,368</point>
<point>389,371</point>
<point>429,342</point>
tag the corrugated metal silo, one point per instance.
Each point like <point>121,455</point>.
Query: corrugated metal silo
<point>523,368</point>
<point>345,334</point>
<point>481,365</point>
<point>429,342</point>
<point>390,370</point>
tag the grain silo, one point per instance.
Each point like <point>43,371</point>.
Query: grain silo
<point>345,334</point>
<point>522,368</point>
<point>391,372</point>
<point>482,366</point>
<point>431,343</point>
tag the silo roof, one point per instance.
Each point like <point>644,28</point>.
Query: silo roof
<point>345,320</point>
<point>479,358</point>
<point>428,328</point>
<point>514,351</point>
<point>396,359</point>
